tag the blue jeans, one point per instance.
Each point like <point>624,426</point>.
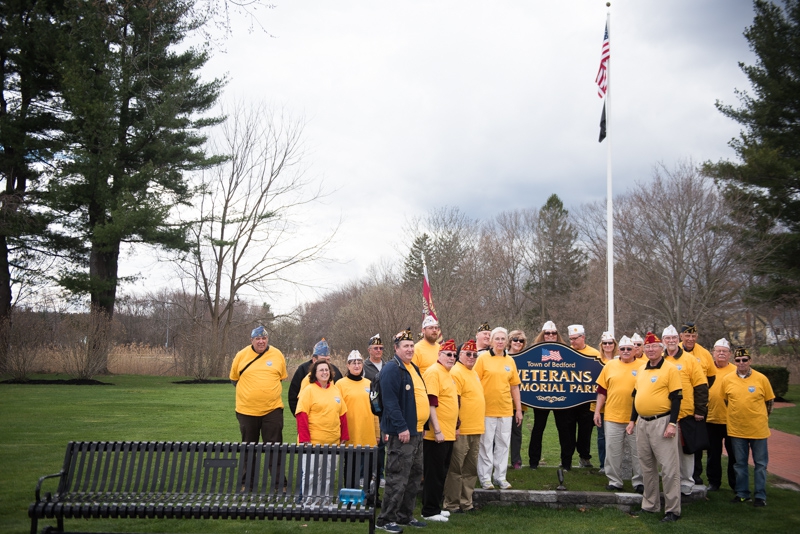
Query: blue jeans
<point>742,448</point>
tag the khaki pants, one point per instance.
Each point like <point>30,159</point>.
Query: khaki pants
<point>656,451</point>
<point>463,473</point>
<point>619,445</point>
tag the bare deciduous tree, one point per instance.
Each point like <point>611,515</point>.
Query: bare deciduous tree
<point>249,212</point>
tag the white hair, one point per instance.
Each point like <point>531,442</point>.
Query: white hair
<point>497,331</point>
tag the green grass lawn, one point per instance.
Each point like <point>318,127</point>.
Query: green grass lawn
<point>788,419</point>
<point>36,422</point>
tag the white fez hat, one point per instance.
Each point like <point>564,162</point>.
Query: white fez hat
<point>669,331</point>
<point>576,329</point>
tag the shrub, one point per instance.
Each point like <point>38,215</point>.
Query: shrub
<point>778,378</point>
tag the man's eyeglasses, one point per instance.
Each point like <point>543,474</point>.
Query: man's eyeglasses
<point>517,340</point>
<point>449,354</point>
<point>741,360</point>
<point>626,349</point>
<point>469,354</point>
<point>375,347</point>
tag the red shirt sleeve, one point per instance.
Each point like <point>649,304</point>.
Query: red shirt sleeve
<point>303,433</point>
<point>433,400</point>
<point>601,390</point>
<point>343,424</point>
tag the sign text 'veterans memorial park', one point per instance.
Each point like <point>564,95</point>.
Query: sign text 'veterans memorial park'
<point>556,376</point>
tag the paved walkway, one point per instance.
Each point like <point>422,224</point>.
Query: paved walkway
<point>783,455</point>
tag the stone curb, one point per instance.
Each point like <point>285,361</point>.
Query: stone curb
<point>622,501</point>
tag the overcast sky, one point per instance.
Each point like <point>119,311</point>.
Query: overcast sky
<point>482,105</point>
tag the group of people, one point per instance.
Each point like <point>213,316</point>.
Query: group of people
<point>452,414</point>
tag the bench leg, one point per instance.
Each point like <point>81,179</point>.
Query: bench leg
<point>34,524</point>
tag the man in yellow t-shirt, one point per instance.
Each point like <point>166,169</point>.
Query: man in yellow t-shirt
<point>749,397</point>
<point>463,472</point>
<point>656,404</point>
<point>500,380</point>
<point>405,411</point>
<point>614,389</point>
<point>426,350</point>
<point>690,346</point>
<point>717,420</point>
<point>441,433</point>
<point>256,373</point>
<point>695,397</point>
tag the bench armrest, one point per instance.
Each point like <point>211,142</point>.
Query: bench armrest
<point>42,479</point>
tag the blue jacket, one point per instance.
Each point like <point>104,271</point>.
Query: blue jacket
<point>397,394</point>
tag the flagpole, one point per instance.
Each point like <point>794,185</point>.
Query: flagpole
<point>609,195</point>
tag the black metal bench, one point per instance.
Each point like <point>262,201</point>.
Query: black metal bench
<point>199,480</point>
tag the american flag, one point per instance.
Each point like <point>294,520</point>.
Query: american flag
<point>602,72</point>
<point>551,355</point>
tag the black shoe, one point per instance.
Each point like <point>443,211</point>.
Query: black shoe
<point>759,503</point>
<point>738,499</point>
<point>414,523</point>
<point>611,487</point>
<point>639,489</point>
<point>669,517</point>
<point>713,487</point>
<point>698,481</point>
<point>533,466</point>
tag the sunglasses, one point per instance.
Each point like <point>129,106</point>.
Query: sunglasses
<point>449,354</point>
<point>741,360</point>
<point>608,342</point>
<point>517,340</point>
<point>551,333</point>
<point>626,349</point>
<point>470,354</point>
<point>376,348</point>
<point>638,344</point>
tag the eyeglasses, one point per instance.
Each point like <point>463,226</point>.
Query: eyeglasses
<point>376,348</point>
<point>625,349</point>
<point>517,340</point>
<point>638,344</point>
<point>469,354</point>
<point>608,342</point>
<point>741,360</point>
<point>550,333</point>
<point>449,354</point>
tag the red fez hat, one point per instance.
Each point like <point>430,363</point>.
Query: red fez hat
<point>470,346</point>
<point>448,345</point>
<point>651,338</point>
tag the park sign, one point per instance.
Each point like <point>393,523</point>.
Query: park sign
<point>555,376</point>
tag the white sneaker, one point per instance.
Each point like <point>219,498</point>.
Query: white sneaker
<point>436,518</point>
<point>487,485</point>
<point>383,482</point>
<point>445,513</point>
<point>504,484</point>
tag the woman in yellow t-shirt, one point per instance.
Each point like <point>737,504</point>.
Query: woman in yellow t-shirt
<point>500,380</point>
<point>608,348</point>
<point>321,420</point>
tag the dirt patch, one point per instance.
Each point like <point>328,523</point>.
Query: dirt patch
<point>208,381</point>
<point>63,382</point>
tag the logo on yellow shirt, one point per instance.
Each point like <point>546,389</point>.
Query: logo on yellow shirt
<point>751,389</point>
<point>338,400</point>
<point>634,372</point>
<point>507,368</point>
<point>653,379</point>
<point>680,367</point>
<point>269,364</point>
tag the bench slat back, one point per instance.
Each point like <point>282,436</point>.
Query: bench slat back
<point>280,470</point>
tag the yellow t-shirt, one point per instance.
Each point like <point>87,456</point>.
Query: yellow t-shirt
<point>704,357</point>
<point>619,379</point>
<point>420,398</point>
<point>691,375</point>
<point>473,405</point>
<point>324,407</point>
<point>258,390</point>
<point>717,411</point>
<point>594,353</point>
<point>497,374</point>
<point>439,382</point>
<point>361,423</point>
<point>425,355</point>
<point>747,409</point>
<point>653,387</point>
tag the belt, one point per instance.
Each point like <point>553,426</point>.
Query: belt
<point>654,417</point>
